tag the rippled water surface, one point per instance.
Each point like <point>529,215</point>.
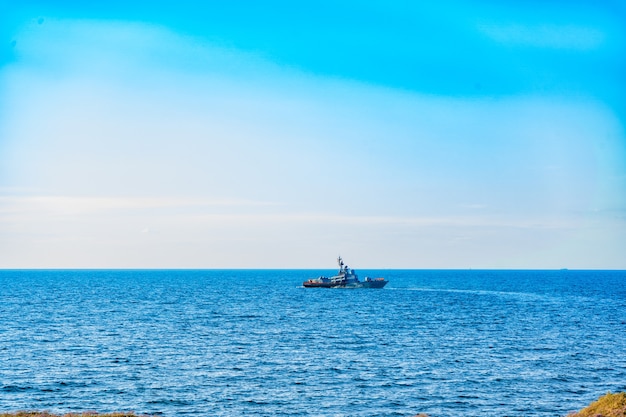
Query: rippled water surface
<point>241,343</point>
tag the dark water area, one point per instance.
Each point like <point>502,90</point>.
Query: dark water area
<point>255,342</point>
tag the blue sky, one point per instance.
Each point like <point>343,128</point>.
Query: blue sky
<point>276,134</point>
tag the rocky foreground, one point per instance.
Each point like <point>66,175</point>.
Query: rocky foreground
<point>609,405</point>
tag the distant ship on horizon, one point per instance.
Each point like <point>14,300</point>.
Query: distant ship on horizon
<point>345,278</point>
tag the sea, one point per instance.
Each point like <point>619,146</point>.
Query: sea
<point>257,343</point>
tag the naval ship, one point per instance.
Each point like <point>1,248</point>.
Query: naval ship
<point>345,278</point>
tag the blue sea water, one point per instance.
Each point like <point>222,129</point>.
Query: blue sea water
<point>255,342</point>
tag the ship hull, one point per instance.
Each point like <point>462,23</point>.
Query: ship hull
<point>310,284</point>
<point>374,284</point>
<point>359,284</point>
<point>365,284</point>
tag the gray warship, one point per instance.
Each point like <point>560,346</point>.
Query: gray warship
<point>345,278</point>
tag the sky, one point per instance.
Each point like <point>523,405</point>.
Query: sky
<point>274,134</point>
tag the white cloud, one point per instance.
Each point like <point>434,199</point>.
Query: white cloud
<point>72,205</point>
